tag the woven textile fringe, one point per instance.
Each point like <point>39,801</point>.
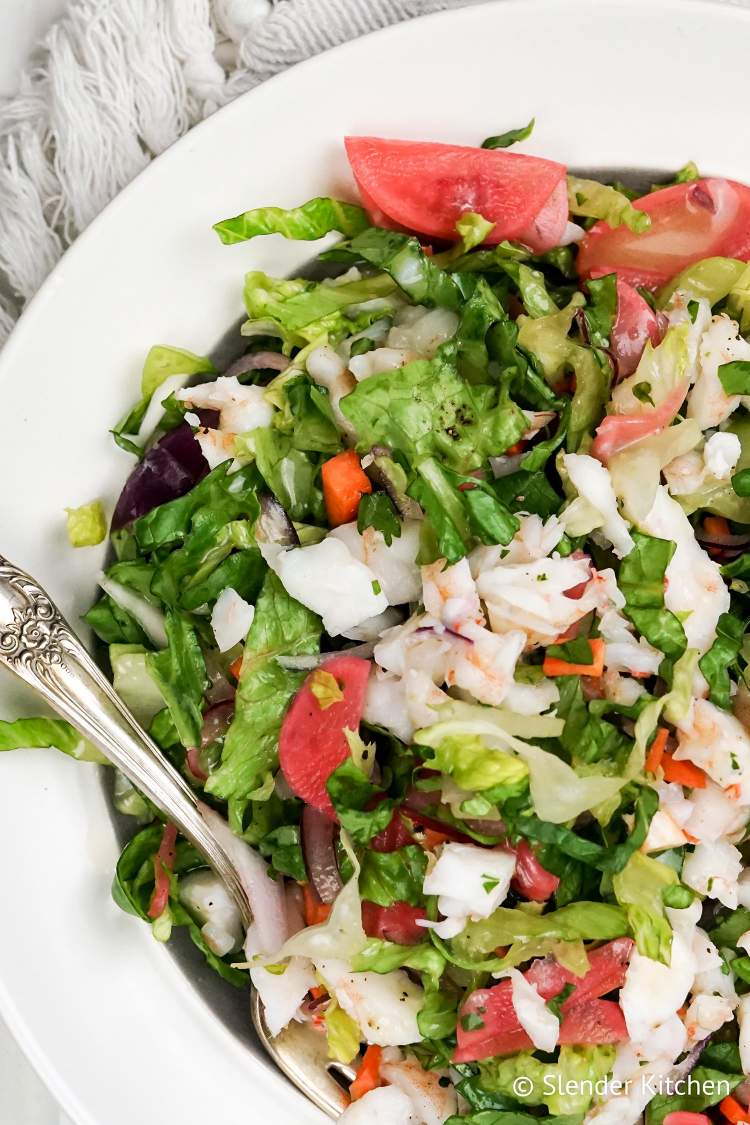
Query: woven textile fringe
<point>117,81</point>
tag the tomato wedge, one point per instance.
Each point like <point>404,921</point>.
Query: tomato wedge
<point>683,1117</point>
<point>617,431</point>
<point>394,836</point>
<point>585,1018</point>
<point>531,879</point>
<point>702,219</point>
<point>397,922</point>
<point>312,742</point>
<point>635,324</point>
<point>426,187</point>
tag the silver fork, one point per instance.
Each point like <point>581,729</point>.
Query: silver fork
<point>39,646</point>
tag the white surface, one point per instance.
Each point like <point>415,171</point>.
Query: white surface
<point>102,1010</point>
<point>24,1100</point>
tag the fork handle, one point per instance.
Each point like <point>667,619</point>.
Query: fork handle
<point>39,646</point>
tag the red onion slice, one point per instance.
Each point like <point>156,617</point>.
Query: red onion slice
<point>258,361</point>
<point>216,721</point>
<point>318,847</point>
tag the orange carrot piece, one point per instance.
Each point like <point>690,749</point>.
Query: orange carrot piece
<point>236,667</point>
<point>315,911</point>
<point>344,484</point>
<point>368,1075</point>
<point>656,750</point>
<point>684,773</point>
<point>716,525</point>
<point>554,666</point>
<point>734,1111</point>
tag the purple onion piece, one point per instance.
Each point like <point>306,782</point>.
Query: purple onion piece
<point>728,541</point>
<point>318,847</point>
<point>487,827</point>
<point>209,419</point>
<point>682,1069</point>
<point>216,721</point>
<point>274,525</point>
<point>169,469</point>
<point>258,361</point>
<point>701,196</point>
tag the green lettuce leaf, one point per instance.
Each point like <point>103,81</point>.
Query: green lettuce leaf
<point>641,579</point>
<point>134,683</point>
<point>593,200</point>
<point>161,363</point>
<point>601,309</point>
<point>475,766</point>
<point>711,278</point>
<point>358,802</point>
<point>563,1086</point>
<point>735,377</point>
<point>113,624</point>
<point>388,877</point>
<point>289,473</point>
<point>301,312</point>
<point>718,1073</point>
<point>587,921</point>
<point>638,888</point>
<point>43,733</point>
<point>219,498</point>
<point>281,626</point>
<point>384,956</point>
<point>309,221</point>
<point>180,674</point>
<point>425,409</point>
<point>511,137</point>
<point>721,657</point>
<point>403,259</point>
<point>193,566</point>
<point>87,525</point>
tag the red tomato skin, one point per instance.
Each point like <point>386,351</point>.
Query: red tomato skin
<point>582,1012</point>
<point>683,1117</point>
<point>531,879</point>
<point>397,923</point>
<point>617,431</point>
<point>426,187</point>
<point>312,742</point>
<point>635,324</point>
<point>394,836</point>
<point>702,219</point>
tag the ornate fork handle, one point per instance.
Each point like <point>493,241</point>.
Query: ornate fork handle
<point>38,644</point>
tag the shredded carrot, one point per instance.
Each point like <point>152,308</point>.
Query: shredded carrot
<point>513,450</point>
<point>431,839</point>
<point>236,667</point>
<point>554,666</point>
<point>656,750</point>
<point>684,773</point>
<point>734,1112</point>
<point>716,525</point>
<point>317,992</point>
<point>315,910</point>
<point>368,1075</point>
<point>344,484</point>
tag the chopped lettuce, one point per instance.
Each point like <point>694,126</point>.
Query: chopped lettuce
<point>384,956</point>
<point>641,580</point>
<point>721,657</point>
<point>309,221</point>
<point>389,877</point>
<point>43,733</point>
<point>511,137</point>
<point>180,675</point>
<point>425,409</point>
<point>565,1086</point>
<point>281,626</point>
<point>87,525</point>
<point>638,888</point>
<point>475,766</point>
<point>593,200</point>
<point>403,259</point>
<point>587,921</point>
<point>134,682</point>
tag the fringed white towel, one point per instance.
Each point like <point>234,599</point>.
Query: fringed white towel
<point>117,81</point>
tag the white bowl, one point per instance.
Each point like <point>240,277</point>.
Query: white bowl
<point>105,1014</point>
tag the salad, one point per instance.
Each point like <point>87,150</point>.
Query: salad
<point>438,598</point>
